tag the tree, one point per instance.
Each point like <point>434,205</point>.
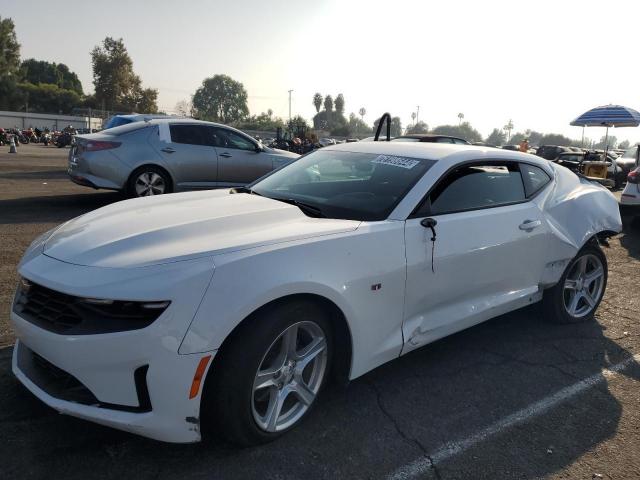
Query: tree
<point>264,121</point>
<point>48,98</point>
<point>116,86</point>
<point>339,104</point>
<point>328,103</point>
<point>413,117</point>
<point>357,125</point>
<point>39,71</point>
<point>317,102</point>
<point>508,127</point>
<point>270,113</point>
<point>183,108</point>
<point>602,144</point>
<point>220,99</point>
<point>464,130</point>
<point>497,137</point>
<point>419,127</point>
<point>625,144</point>
<point>362,112</point>
<point>9,63</point>
<point>396,127</point>
<point>460,118</point>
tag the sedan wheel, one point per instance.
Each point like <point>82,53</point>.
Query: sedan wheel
<point>149,183</point>
<point>289,377</point>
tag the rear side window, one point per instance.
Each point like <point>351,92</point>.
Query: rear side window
<point>477,186</point>
<point>534,178</point>
<point>192,134</point>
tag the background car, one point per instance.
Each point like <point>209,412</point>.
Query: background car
<point>575,161</point>
<point>551,152</point>
<point>162,156</point>
<point>119,120</point>
<point>431,138</point>
<point>628,160</point>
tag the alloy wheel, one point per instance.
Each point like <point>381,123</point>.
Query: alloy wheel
<point>289,376</point>
<point>149,183</point>
<point>583,286</point>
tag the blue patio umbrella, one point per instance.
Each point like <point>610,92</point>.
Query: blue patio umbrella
<point>608,116</point>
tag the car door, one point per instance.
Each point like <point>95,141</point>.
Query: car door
<point>189,152</point>
<point>487,257</point>
<point>240,160</point>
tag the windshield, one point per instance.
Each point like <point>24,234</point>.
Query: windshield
<point>347,185</point>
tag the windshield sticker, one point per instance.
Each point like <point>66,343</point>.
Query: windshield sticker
<point>401,162</point>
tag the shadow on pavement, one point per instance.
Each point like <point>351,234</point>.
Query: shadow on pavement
<point>391,417</point>
<point>53,208</point>
<point>630,238</point>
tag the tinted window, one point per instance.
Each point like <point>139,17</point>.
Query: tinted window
<point>117,121</point>
<point>227,139</point>
<point>534,178</point>
<point>444,140</point>
<point>460,141</point>
<point>191,134</point>
<point>477,186</point>
<point>350,185</point>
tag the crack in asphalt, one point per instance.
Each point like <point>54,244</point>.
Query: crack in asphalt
<point>403,435</point>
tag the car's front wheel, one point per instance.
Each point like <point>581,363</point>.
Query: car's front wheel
<point>267,379</point>
<point>579,292</point>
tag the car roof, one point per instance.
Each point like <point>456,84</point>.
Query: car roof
<point>190,121</point>
<point>442,152</point>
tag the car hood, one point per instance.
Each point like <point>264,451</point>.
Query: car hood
<point>170,228</point>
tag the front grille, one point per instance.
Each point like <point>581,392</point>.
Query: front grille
<point>65,314</point>
<point>51,310</point>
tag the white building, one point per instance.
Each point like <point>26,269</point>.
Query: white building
<point>52,121</point>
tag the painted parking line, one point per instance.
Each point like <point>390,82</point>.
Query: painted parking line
<point>422,465</point>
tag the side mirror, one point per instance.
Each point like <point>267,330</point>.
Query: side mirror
<point>428,222</point>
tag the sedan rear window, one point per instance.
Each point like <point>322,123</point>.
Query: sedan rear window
<point>348,185</point>
<point>127,128</point>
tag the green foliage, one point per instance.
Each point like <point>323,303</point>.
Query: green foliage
<point>317,102</point>
<point>328,103</point>
<point>625,144</point>
<point>48,97</point>
<point>116,85</point>
<point>39,71</point>
<point>339,104</point>
<point>419,127</point>
<point>497,137</point>
<point>9,48</point>
<point>220,99</point>
<point>264,121</point>
<point>396,127</point>
<point>357,126</point>
<point>464,130</point>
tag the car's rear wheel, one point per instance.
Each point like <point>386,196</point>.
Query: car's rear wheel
<point>577,295</point>
<point>267,379</point>
<point>147,181</point>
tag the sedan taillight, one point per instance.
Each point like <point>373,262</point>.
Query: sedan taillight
<point>634,176</point>
<point>94,145</point>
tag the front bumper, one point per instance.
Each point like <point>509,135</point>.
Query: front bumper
<point>132,380</point>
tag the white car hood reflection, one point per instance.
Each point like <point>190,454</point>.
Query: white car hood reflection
<point>170,228</point>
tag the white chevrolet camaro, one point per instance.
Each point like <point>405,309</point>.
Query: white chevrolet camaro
<point>228,311</point>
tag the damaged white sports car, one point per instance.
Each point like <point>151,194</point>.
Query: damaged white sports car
<point>229,310</point>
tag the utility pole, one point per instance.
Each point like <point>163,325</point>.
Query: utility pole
<point>290,104</point>
<point>417,113</point>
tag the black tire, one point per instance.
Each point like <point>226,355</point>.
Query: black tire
<point>228,395</point>
<point>150,169</point>
<point>553,301</point>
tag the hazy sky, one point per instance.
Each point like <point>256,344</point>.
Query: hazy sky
<point>540,63</point>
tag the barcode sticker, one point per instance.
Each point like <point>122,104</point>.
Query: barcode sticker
<point>401,162</point>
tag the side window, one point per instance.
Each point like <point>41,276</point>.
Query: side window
<point>444,140</point>
<point>227,139</point>
<point>534,178</point>
<point>459,142</point>
<point>191,134</point>
<point>477,186</point>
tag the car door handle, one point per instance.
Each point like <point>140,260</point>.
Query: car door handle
<point>529,225</point>
<point>168,150</point>
<point>225,155</point>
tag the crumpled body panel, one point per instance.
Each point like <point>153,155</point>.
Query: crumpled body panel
<point>576,209</point>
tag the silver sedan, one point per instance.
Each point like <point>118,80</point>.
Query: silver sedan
<point>172,155</point>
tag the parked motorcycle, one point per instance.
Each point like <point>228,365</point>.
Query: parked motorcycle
<point>65,139</point>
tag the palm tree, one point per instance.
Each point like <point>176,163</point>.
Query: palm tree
<point>508,127</point>
<point>413,117</point>
<point>460,118</point>
<point>317,102</point>
<point>362,113</point>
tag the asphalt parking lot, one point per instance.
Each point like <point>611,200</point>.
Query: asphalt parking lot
<point>515,397</point>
